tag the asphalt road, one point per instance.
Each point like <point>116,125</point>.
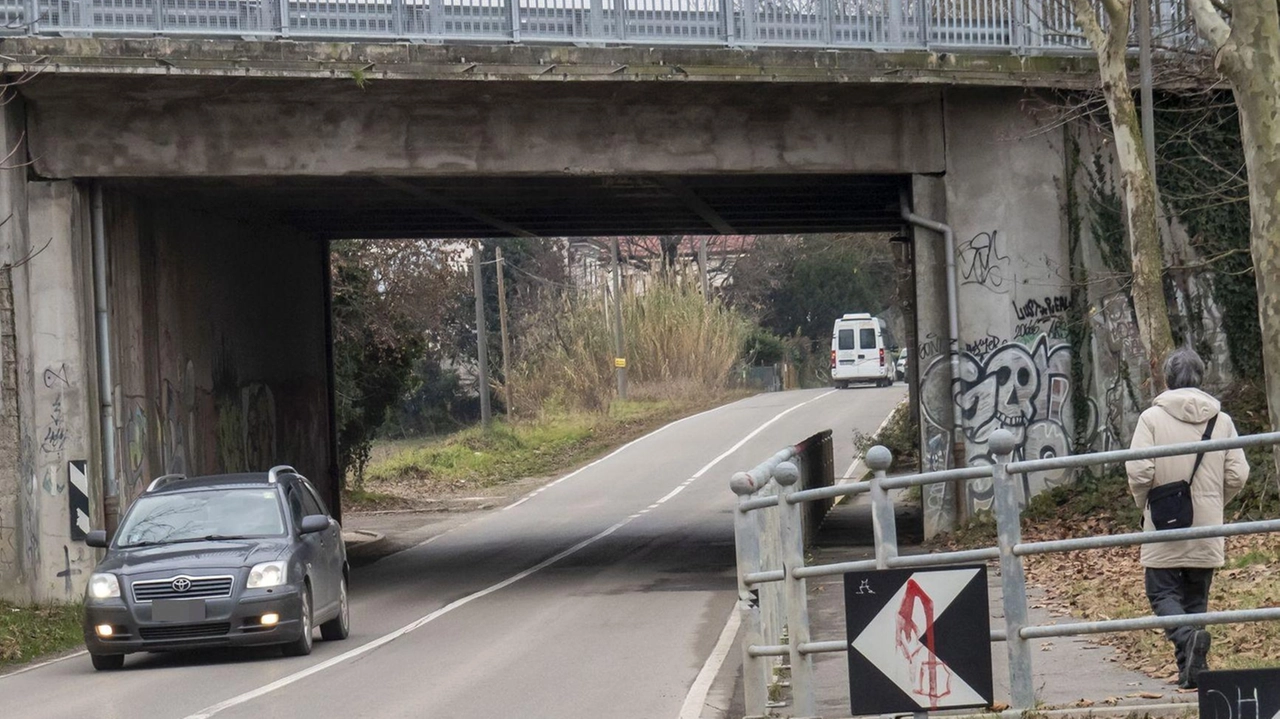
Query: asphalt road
<point>605,594</point>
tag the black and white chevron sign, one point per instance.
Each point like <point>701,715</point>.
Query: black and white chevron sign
<point>919,639</point>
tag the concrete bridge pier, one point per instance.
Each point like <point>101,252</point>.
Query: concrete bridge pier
<point>219,352</point>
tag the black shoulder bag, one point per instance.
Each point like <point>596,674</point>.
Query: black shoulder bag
<point>1170,504</point>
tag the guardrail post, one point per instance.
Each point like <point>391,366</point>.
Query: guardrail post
<point>514,7</point>
<point>755,670</point>
<point>883,521</point>
<point>803,699</point>
<point>284,18</point>
<point>1013,577</point>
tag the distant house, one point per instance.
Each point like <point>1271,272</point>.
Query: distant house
<point>645,258</point>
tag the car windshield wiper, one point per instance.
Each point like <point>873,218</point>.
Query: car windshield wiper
<point>187,540</point>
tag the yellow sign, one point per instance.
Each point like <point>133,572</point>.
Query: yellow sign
<point>619,362</point>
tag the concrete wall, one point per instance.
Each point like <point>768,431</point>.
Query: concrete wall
<point>1004,200</point>
<point>220,354</point>
<point>103,127</point>
<point>219,343</point>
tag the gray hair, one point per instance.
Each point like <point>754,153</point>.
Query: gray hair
<point>1183,368</point>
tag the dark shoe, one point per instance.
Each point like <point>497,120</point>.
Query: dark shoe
<point>1197,660</point>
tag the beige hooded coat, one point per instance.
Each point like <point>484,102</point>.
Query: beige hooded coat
<point>1180,415</point>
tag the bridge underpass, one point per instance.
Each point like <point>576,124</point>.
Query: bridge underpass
<point>219,191</point>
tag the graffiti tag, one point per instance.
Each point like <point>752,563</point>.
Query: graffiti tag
<point>55,435</point>
<point>982,263</point>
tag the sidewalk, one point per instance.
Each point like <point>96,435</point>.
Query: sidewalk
<point>1070,673</point>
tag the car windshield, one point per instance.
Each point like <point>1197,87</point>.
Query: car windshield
<point>202,514</point>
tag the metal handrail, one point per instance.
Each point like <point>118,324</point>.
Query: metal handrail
<point>777,476</point>
<point>986,25</point>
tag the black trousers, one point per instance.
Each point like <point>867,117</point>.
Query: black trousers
<point>1179,591</point>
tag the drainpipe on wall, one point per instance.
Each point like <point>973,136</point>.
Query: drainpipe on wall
<point>110,489</point>
<point>953,322</point>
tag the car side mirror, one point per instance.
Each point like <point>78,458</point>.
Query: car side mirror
<point>96,538</point>
<point>313,523</point>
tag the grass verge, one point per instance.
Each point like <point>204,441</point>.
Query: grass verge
<point>28,633</point>
<point>406,472</point>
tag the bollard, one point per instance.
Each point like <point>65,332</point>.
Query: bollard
<point>755,670</point>
<point>1012,576</point>
<point>795,599</point>
<point>883,521</point>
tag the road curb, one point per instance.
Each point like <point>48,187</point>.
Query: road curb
<point>361,542</point>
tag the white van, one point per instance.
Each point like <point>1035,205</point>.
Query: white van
<point>859,351</point>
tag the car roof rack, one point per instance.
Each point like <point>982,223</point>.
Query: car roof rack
<point>274,474</point>
<point>161,481</point>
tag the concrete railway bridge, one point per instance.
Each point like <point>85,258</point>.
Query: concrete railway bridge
<point>163,264</point>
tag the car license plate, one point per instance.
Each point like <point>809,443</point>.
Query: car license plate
<point>178,610</point>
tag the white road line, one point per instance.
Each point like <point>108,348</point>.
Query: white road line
<point>672,493</point>
<point>696,699</point>
<point>617,451</point>
<point>849,472</point>
<point>757,430</point>
<point>413,626</point>
<point>34,667</point>
<point>456,604</point>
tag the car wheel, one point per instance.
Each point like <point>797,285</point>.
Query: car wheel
<point>107,662</point>
<point>339,627</point>
<point>301,646</point>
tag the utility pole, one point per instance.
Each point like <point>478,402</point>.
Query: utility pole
<point>482,341</point>
<point>702,267</point>
<point>619,348</point>
<point>502,321</point>
<point>1144,68</point>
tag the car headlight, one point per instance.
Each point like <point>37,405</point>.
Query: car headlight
<point>268,574</point>
<point>104,586</point>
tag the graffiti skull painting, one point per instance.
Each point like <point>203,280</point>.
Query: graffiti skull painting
<point>1000,392</point>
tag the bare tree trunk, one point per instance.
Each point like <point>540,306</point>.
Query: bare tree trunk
<point>1136,183</point>
<point>1248,54</point>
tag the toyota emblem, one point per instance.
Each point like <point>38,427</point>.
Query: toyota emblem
<point>181,584</point>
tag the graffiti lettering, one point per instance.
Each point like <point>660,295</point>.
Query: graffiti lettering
<point>55,435</point>
<point>982,263</point>
<point>916,644</point>
<point>1023,389</point>
<point>56,377</point>
<point>1032,309</point>
<point>984,346</point>
<point>930,347</point>
<point>68,572</point>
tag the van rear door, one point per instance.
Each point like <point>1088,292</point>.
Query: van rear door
<point>846,351</point>
<point>868,355</point>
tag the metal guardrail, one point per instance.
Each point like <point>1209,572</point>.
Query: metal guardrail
<point>1020,26</point>
<point>771,568</point>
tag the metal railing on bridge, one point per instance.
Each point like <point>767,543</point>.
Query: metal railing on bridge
<point>771,562</point>
<point>1019,26</point>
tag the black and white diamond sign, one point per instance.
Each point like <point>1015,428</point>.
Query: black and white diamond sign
<point>919,639</point>
<point>1243,694</point>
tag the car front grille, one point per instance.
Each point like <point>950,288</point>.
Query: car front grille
<point>200,588</point>
<point>186,631</point>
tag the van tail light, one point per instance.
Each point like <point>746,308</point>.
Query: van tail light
<point>881,356</point>
<point>833,359</point>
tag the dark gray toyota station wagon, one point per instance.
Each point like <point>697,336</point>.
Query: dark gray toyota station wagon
<point>225,560</point>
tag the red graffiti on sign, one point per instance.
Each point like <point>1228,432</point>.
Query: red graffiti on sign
<point>931,677</point>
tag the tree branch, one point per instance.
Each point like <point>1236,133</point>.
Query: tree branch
<point>1212,27</point>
